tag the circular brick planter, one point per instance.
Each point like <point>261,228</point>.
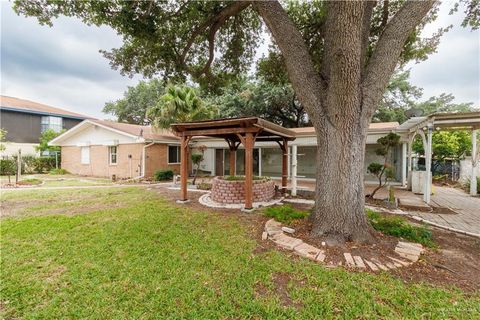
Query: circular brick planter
<point>231,192</point>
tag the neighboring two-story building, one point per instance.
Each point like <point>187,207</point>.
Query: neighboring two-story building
<point>25,121</point>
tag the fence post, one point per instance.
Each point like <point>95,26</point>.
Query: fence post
<point>19,166</point>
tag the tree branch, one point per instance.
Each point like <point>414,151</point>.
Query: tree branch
<point>367,16</point>
<point>223,15</point>
<point>388,49</point>
<point>301,71</point>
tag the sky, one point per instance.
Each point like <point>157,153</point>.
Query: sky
<point>61,66</point>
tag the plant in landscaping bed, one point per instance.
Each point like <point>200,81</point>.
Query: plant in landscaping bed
<point>241,178</point>
<point>399,227</point>
<point>58,171</point>
<point>196,159</point>
<point>204,186</point>
<point>30,182</point>
<point>7,168</point>
<point>162,175</point>
<point>285,213</point>
<point>387,143</point>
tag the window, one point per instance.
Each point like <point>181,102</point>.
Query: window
<point>173,154</point>
<point>54,123</point>
<point>112,154</point>
<point>85,155</point>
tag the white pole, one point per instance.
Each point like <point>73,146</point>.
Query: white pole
<point>259,162</point>
<point>19,165</point>
<point>409,164</point>
<point>294,170</point>
<point>428,166</point>
<point>473,176</point>
<point>404,164</point>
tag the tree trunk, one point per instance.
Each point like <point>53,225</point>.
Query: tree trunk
<point>339,212</point>
<point>341,100</point>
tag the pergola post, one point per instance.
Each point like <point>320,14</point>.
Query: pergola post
<point>249,142</point>
<point>473,176</point>
<point>428,165</point>
<point>184,167</point>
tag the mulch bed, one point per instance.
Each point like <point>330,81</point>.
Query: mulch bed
<point>453,263</point>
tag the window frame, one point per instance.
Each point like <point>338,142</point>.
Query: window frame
<point>110,162</point>
<point>87,155</point>
<point>179,160</point>
<point>51,122</point>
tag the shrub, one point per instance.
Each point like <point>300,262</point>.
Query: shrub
<point>241,178</point>
<point>285,213</point>
<point>58,171</point>
<point>398,227</point>
<point>204,186</point>
<point>44,164</point>
<point>162,175</point>
<point>8,167</point>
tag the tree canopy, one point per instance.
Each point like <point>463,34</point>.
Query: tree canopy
<point>136,101</point>
<point>180,103</point>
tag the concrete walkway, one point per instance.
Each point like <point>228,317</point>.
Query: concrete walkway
<point>467,209</point>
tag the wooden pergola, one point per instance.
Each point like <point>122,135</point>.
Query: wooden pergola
<point>235,131</point>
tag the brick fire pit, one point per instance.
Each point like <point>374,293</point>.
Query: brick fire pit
<point>233,191</point>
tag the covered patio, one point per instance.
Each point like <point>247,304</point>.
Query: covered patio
<point>235,131</point>
<point>424,127</point>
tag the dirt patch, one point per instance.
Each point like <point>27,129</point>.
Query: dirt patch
<point>281,281</point>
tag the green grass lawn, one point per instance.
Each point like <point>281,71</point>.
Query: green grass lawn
<point>148,258</point>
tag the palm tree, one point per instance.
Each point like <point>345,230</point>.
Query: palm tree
<point>180,103</point>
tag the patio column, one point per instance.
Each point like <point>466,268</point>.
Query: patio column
<point>428,165</point>
<point>294,170</point>
<point>249,141</point>
<point>284,147</point>
<point>409,164</point>
<point>473,176</point>
<point>184,167</point>
<point>233,156</point>
<point>404,164</point>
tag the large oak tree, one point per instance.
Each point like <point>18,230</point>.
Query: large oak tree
<point>339,57</point>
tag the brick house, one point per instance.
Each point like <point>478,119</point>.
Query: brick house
<point>105,149</point>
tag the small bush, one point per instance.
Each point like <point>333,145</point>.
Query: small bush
<point>44,164</point>
<point>285,213</point>
<point>8,167</point>
<point>398,227</point>
<point>242,178</point>
<point>58,171</point>
<point>162,175</point>
<point>204,186</point>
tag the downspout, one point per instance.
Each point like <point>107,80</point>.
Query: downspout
<point>143,160</point>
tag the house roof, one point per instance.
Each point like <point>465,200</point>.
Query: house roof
<point>381,126</point>
<point>147,132</point>
<point>137,132</point>
<point>229,128</point>
<point>22,105</point>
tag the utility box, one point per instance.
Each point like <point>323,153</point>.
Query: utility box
<point>418,181</point>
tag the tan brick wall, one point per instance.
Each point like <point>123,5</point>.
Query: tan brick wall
<point>225,191</point>
<point>157,159</point>
<point>126,167</point>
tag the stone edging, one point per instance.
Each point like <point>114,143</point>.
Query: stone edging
<point>405,250</point>
<point>207,201</point>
